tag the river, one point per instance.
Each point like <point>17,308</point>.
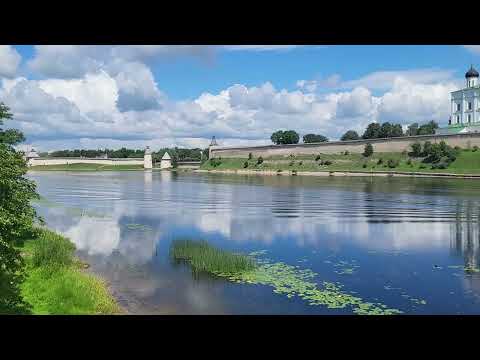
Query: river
<point>409,243</point>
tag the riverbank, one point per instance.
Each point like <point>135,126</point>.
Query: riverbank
<point>56,282</point>
<point>466,165</point>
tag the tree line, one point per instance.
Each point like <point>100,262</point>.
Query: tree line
<point>373,131</point>
<point>177,154</point>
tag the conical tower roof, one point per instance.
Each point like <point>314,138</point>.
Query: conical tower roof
<point>166,156</point>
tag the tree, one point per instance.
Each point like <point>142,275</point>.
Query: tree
<point>17,216</point>
<point>427,146</point>
<point>428,128</point>
<point>372,131</point>
<point>368,150</point>
<point>385,130</point>
<point>290,137</point>
<point>285,137</point>
<point>313,138</point>
<point>416,149</point>
<point>350,135</point>
<point>396,131</point>
<point>277,137</point>
<point>412,130</point>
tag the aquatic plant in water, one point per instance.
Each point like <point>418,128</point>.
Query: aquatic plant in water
<point>285,279</point>
<point>139,227</point>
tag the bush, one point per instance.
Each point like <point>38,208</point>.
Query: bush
<point>380,161</point>
<point>440,165</point>
<point>250,156</point>
<point>327,162</point>
<point>259,160</point>
<point>215,162</point>
<point>364,165</point>
<point>279,171</point>
<point>291,163</point>
<point>423,166</point>
<point>300,163</point>
<point>368,150</point>
<point>475,148</point>
<point>317,157</point>
<point>346,152</point>
<point>245,164</point>
<point>392,163</point>
<point>427,147</point>
<point>409,162</point>
<point>457,148</point>
<point>52,250</point>
<point>416,149</point>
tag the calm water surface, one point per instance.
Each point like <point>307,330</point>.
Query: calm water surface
<point>403,239</point>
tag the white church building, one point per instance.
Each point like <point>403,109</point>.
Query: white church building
<point>465,107</point>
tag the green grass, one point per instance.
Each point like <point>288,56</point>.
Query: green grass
<point>85,167</point>
<point>467,162</point>
<point>206,258</point>
<point>55,282</point>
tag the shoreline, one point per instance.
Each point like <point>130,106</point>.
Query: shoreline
<point>341,173</point>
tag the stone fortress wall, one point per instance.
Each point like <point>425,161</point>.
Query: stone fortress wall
<point>398,144</point>
<point>67,161</point>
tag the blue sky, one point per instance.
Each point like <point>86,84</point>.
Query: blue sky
<point>95,96</point>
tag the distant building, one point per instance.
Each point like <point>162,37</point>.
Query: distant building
<point>147,158</point>
<point>465,107</point>
<point>166,162</point>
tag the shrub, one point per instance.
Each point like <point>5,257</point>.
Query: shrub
<point>327,162</point>
<point>317,157</point>
<point>364,165</point>
<point>215,162</point>
<point>392,163</point>
<point>427,147</point>
<point>259,160</point>
<point>416,149</point>
<point>409,162</point>
<point>440,165</point>
<point>279,171</point>
<point>368,150</point>
<point>458,148</point>
<point>250,156</point>
<point>300,163</point>
<point>423,166</point>
<point>346,152</point>
<point>291,163</point>
<point>52,250</point>
<point>475,148</point>
<point>245,164</point>
<point>380,161</point>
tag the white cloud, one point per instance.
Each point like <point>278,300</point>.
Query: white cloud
<point>260,47</point>
<point>9,61</point>
<point>473,48</point>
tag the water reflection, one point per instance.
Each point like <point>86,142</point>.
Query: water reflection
<point>431,220</point>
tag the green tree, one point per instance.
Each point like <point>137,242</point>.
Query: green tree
<point>396,131</point>
<point>17,216</point>
<point>277,137</point>
<point>372,131</point>
<point>385,130</point>
<point>412,130</point>
<point>428,128</point>
<point>314,138</point>
<point>290,137</point>
<point>427,147</point>
<point>350,135</point>
<point>416,149</point>
<point>368,150</point>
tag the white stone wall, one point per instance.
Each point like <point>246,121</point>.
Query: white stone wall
<point>66,161</point>
<point>147,161</point>
<point>165,164</point>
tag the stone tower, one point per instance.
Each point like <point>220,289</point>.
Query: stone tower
<point>166,162</point>
<point>147,159</point>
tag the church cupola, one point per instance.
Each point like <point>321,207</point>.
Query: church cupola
<point>472,77</point>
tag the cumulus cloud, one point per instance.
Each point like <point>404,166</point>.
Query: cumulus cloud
<point>9,61</point>
<point>108,96</point>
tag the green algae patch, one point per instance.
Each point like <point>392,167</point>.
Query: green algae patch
<point>139,227</point>
<point>288,280</point>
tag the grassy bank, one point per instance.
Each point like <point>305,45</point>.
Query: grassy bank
<point>467,162</point>
<point>57,283</point>
<point>85,167</point>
